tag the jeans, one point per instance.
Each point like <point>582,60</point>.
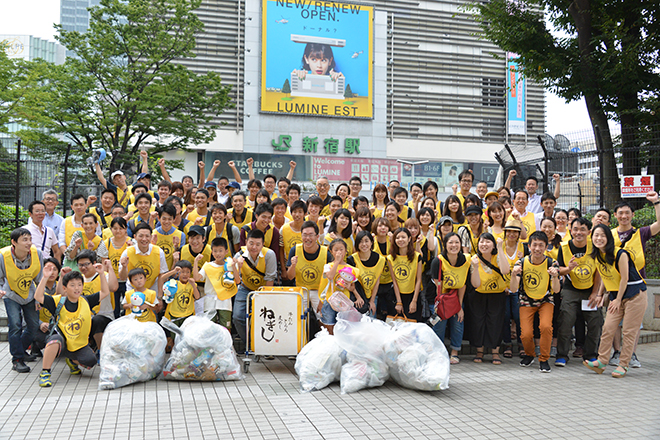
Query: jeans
<point>19,338</point>
<point>512,312</point>
<point>240,308</point>
<point>455,331</point>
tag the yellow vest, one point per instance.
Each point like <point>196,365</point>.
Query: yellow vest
<point>529,223</point>
<point>404,272</point>
<point>96,241</point>
<point>213,233</point>
<point>98,213</point>
<point>251,278</point>
<point>107,233</point>
<point>248,218</point>
<point>183,304</point>
<point>126,200</point>
<point>114,255</point>
<point>310,272</point>
<point>453,277</point>
<point>369,275</point>
<point>290,238</point>
<point>554,253</point>
<point>386,277</point>
<point>491,282</point>
<point>634,248</point>
<point>20,280</point>
<point>149,263</point>
<point>582,276</point>
<point>166,243</point>
<point>188,256</point>
<point>94,286</point>
<point>69,229</point>
<point>520,249</point>
<point>75,326</point>
<point>327,288</point>
<point>535,278</point>
<point>268,235</point>
<point>457,225</point>
<point>194,215</point>
<point>214,274</point>
<point>150,297</point>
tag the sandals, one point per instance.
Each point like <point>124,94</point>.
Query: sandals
<point>619,372</point>
<point>596,366</point>
<point>479,358</point>
<point>507,352</point>
<point>453,360</point>
<point>496,359</point>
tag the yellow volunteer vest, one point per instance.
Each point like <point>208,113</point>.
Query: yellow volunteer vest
<point>214,274</point>
<point>326,289</point>
<point>149,263</point>
<point>44,314</point>
<point>512,260</point>
<point>75,326</point>
<point>98,213</point>
<point>150,192</point>
<point>188,256</point>
<point>310,272</point>
<point>377,212</point>
<point>150,297</point>
<point>268,235</point>
<point>96,241</point>
<point>107,233</point>
<point>124,200</point>
<point>248,217</point>
<point>166,243</point>
<point>183,304</point>
<point>213,233</point>
<point>404,272</point>
<point>554,253</point>
<point>386,277</point>
<point>634,248</point>
<point>582,277</point>
<point>21,280</point>
<point>290,238</point>
<point>69,229</point>
<point>194,215</point>
<point>251,278</point>
<point>535,278</point>
<point>92,287</point>
<point>453,277</point>
<point>114,255</point>
<point>369,275</point>
<point>529,223</point>
<point>457,225</point>
<point>567,236</point>
<point>491,282</point>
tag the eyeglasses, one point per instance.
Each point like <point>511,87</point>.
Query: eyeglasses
<point>83,265</point>
<point>466,181</point>
<point>308,235</point>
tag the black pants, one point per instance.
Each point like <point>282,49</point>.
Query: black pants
<point>486,318</point>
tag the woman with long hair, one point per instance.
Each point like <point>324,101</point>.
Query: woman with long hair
<point>406,269</point>
<point>116,245</point>
<point>382,246</point>
<point>341,226</point>
<point>344,192</point>
<point>371,264</point>
<point>362,220</point>
<point>496,219</point>
<point>379,199</point>
<point>454,209</point>
<point>628,300</point>
<point>391,214</point>
<point>514,250</point>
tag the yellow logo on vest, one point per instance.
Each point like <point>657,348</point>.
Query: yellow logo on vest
<point>183,301</point>
<point>449,281</point>
<point>72,328</point>
<point>582,272</point>
<point>255,280</point>
<point>368,281</point>
<point>401,271</point>
<point>310,274</point>
<point>532,279</point>
<point>23,281</point>
<point>147,267</point>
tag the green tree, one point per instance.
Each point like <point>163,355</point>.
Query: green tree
<point>126,88</point>
<point>19,91</point>
<point>603,50</point>
<point>286,87</point>
<point>348,93</point>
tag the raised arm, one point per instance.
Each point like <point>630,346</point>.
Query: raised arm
<point>509,178</point>
<point>99,174</point>
<point>202,166</point>
<point>145,161</point>
<point>237,175</point>
<point>557,179</point>
<point>653,198</point>
<point>292,168</point>
<point>163,170</point>
<point>249,162</point>
<point>211,175</point>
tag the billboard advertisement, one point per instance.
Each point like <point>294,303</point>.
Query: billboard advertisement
<point>515,98</point>
<point>317,58</point>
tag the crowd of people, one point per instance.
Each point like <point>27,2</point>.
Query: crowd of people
<point>523,271</point>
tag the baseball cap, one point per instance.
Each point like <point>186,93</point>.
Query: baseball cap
<point>143,175</point>
<point>196,230</point>
<point>473,209</point>
<point>445,219</point>
<point>234,185</point>
<point>210,184</point>
<point>492,193</point>
<point>116,173</point>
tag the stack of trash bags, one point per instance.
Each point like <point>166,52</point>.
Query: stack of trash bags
<point>203,351</point>
<point>365,353</point>
<point>132,351</point>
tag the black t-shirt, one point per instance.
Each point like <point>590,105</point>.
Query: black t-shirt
<point>50,305</point>
<point>370,262</point>
<point>435,265</point>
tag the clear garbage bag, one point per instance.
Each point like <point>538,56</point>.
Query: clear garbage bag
<point>319,362</point>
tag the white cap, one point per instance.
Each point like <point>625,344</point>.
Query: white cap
<point>116,173</point>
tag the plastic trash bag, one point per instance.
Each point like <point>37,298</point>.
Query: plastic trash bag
<point>203,351</point>
<point>132,351</point>
<point>363,340</point>
<point>417,358</point>
<point>319,362</point>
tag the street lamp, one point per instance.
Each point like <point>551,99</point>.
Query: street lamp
<point>412,164</point>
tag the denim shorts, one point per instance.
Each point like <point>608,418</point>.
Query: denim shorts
<point>328,314</point>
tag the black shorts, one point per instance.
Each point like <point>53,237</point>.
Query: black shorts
<point>99,323</point>
<point>85,356</point>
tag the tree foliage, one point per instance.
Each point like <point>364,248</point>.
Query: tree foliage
<point>126,89</point>
<point>603,50</point>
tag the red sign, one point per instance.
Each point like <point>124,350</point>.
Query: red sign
<point>341,169</point>
<point>636,186</point>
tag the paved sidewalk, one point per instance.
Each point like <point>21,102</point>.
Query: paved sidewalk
<point>484,401</point>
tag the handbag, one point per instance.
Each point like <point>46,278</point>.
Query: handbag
<point>446,304</point>
<point>391,319</point>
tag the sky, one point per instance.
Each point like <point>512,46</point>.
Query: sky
<point>36,18</point>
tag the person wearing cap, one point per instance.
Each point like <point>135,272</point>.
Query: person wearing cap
<point>212,189</point>
<point>445,226</point>
<point>490,197</point>
<point>514,251</point>
<point>117,184</point>
<point>190,251</point>
<point>471,232</point>
<point>231,187</point>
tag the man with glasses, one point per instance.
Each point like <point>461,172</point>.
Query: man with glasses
<point>43,237</point>
<point>391,187</point>
<point>465,180</point>
<point>355,185</point>
<point>52,220</point>
<point>322,188</point>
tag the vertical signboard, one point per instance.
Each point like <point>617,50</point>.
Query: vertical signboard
<point>516,87</point>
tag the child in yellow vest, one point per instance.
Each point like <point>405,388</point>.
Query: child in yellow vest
<point>140,301</point>
<point>221,279</point>
<point>180,296</point>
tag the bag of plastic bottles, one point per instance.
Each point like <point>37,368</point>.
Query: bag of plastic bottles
<point>363,341</point>
<point>319,362</point>
<point>203,351</point>
<point>132,351</point>
<point>417,358</point>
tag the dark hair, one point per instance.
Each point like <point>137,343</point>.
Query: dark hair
<point>135,272</point>
<point>79,196</point>
<point>582,221</point>
<point>270,176</point>
<point>298,204</point>
<point>474,199</point>
<point>34,203</point>
<point>429,211</point>
<point>168,209</point>
<point>87,254</point>
<point>417,185</point>
<point>494,206</point>
<point>166,184</point>
<point>18,233</point>
<point>360,236</point>
<point>430,184</point>
<point>337,241</point>
<point>219,242</point>
<point>263,208</point>
<point>139,185</point>
<point>556,240</point>
<point>73,275</point>
<point>176,186</point>
<point>538,235</point>
<point>394,249</point>
<point>278,201</point>
<point>358,199</point>
<point>218,206</point>
<point>574,211</point>
<point>488,236</point>
<point>184,264</point>
<point>143,196</point>
<point>466,173</point>
<point>610,256</point>
<point>238,193</point>
<point>393,180</point>
<point>317,50</point>
<point>340,185</point>
<point>433,202</point>
<point>252,182</point>
<point>172,199</point>
<point>117,205</point>
<point>532,178</point>
<point>255,233</point>
<point>503,200</point>
<point>412,221</point>
<point>460,218</point>
<point>400,190</point>
<point>223,178</point>
<point>609,214</point>
<point>364,212</point>
<point>548,196</point>
<point>140,226</point>
<point>336,199</point>
<point>202,191</point>
<point>121,221</point>
<point>521,191</point>
<point>263,193</point>
<point>310,224</point>
<point>282,179</point>
<point>380,188</point>
<point>378,221</point>
<point>348,231</point>
<point>89,215</point>
<point>461,258</point>
<point>54,261</point>
<point>315,200</point>
<point>293,187</point>
<point>354,178</point>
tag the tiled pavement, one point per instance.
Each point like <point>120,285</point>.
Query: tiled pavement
<point>484,401</point>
